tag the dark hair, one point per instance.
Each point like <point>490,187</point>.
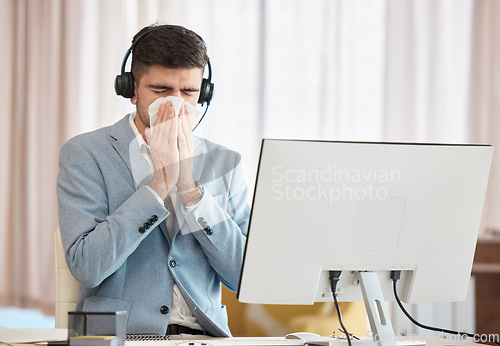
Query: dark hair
<point>171,46</point>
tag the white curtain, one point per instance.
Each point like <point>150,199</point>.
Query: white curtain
<point>428,70</point>
<point>383,70</point>
<point>38,64</point>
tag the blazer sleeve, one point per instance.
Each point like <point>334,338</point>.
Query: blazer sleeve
<point>96,241</point>
<point>220,227</point>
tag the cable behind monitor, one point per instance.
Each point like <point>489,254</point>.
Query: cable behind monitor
<point>395,275</point>
<point>334,279</point>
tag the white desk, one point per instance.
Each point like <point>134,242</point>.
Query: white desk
<point>30,336</point>
<point>19,336</point>
<point>277,341</point>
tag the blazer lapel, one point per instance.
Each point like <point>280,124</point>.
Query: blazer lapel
<point>127,147</point>
<point>199,156</point>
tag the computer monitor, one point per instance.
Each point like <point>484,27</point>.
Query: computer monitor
<point>363,207</point>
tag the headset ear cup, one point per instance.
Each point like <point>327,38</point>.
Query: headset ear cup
<point>124,85</point>
<point>119,85</point>
<point>206,92</point>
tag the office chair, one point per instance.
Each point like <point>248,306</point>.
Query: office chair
<point>67,288</point>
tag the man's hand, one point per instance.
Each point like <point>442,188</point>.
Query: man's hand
<point>186,182</point>
<point>164,152</point>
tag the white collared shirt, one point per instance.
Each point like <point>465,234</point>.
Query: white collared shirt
<point>179,311</point>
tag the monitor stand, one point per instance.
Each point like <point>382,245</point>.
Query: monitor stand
<point>378,316</point>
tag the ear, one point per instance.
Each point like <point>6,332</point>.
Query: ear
<point>133,99</point>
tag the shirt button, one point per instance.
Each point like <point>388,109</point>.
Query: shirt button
<point>172,263</point>
<point>164,310</point>
<point>154,218</point>
<point>142,229</point>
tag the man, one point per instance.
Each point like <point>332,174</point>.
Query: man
<point>152,222</point>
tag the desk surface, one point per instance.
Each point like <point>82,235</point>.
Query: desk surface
<point>29,336</point>
<point>9,335</point>
<point>281,341</point>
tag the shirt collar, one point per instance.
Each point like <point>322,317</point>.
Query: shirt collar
<point>145,148</point>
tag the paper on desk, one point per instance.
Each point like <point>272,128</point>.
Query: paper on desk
<point>22,336</point>
<point>196,340</point>
<point>263,341</point>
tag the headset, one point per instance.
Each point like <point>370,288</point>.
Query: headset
<point>124,82</point>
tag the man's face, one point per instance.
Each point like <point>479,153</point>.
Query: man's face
<point>160,81</point>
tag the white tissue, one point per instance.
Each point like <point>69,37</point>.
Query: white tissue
<point>177,103</point>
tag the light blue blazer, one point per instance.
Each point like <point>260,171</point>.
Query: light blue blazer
<point>116,241</point>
